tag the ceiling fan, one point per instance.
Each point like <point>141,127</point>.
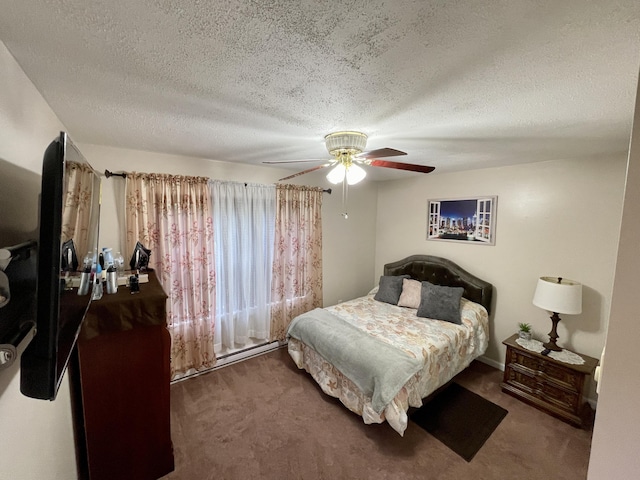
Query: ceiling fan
<point>347,149</point>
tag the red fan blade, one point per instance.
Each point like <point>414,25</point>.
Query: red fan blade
<point>401,166</point>
<point>381,152</point>
<point>305,171</point>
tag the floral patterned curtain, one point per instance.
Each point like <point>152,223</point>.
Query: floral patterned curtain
<point>76,209</point>
<point>171,215</point>
<point>297,264</point>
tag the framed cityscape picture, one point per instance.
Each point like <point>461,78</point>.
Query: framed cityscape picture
<point>469,220</point>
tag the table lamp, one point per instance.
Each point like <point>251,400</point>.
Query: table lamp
<point>557,295</point>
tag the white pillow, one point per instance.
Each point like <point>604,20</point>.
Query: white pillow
<point>410,296</point>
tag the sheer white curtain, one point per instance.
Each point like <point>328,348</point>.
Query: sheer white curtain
<point>243,225</point>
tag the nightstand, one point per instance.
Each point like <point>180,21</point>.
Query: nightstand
<point>554,387</point>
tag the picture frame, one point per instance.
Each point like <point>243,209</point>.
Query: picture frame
<point>466,220</point>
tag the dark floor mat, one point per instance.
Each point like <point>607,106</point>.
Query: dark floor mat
<point>460,419</point>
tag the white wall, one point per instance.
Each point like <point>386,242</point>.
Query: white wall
<point>348,245</point>
<point>616,434</point>
<point>36,436</point>
<point>557,218</point>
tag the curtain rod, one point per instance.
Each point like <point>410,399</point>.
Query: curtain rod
<point>108,174</point>
<point>324,190</point>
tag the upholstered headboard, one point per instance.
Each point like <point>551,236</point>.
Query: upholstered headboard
<point>441,271</point>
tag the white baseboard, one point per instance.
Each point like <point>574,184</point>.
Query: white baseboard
<point>491,363</point>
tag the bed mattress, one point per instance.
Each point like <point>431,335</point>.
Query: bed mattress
<point>445,349</point>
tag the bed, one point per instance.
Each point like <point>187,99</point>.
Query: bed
<point>379,357</point>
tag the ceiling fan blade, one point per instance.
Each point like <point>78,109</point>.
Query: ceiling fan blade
<point>306,171</point>
<point>381,152</point>
<point>401,166</point>
<point>271,162</point>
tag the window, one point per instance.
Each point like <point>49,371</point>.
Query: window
<point>243,225</point>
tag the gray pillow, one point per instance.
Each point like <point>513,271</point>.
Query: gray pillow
<point>440,303</point>
<point>390,289</point>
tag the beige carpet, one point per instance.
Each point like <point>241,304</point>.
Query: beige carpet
<point>263,418</point>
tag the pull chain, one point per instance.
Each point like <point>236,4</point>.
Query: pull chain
<point>345,195</point>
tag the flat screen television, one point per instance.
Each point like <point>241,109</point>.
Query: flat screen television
<point>69,215</point>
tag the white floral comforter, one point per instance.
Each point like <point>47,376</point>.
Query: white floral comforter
<point>445,348</point>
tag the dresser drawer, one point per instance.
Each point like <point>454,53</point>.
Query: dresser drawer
<point>537,386</point>
<point>564,376</point>
<point>550,370</point>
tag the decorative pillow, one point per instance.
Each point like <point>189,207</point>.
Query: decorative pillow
<point>410,296</point>
<point>440,303</point>
<point>390,289</point>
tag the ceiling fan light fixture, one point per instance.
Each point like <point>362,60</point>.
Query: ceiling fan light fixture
<point>355,174</point>
<point>345,142</point>
<point>336,175</point>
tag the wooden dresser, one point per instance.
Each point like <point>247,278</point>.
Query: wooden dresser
<point>549,385</point>
<point>121,380</point>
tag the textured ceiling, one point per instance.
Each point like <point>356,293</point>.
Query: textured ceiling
<point>456,84</point>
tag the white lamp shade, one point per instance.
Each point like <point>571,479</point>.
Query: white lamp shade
<point>336,175</point>
<point>563,297</point>
<point>355,174</point>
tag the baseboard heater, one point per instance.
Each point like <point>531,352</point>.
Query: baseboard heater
<point>235,357</point>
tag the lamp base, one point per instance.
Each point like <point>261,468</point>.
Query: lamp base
<point>552,346</point>
<point>553,334</point>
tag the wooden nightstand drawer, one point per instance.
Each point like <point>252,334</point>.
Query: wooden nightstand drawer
<point>549,369</point>
<point>564,376</point>
<point>570,401</point>
<point>548,384</point>
<point>548,392</point>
